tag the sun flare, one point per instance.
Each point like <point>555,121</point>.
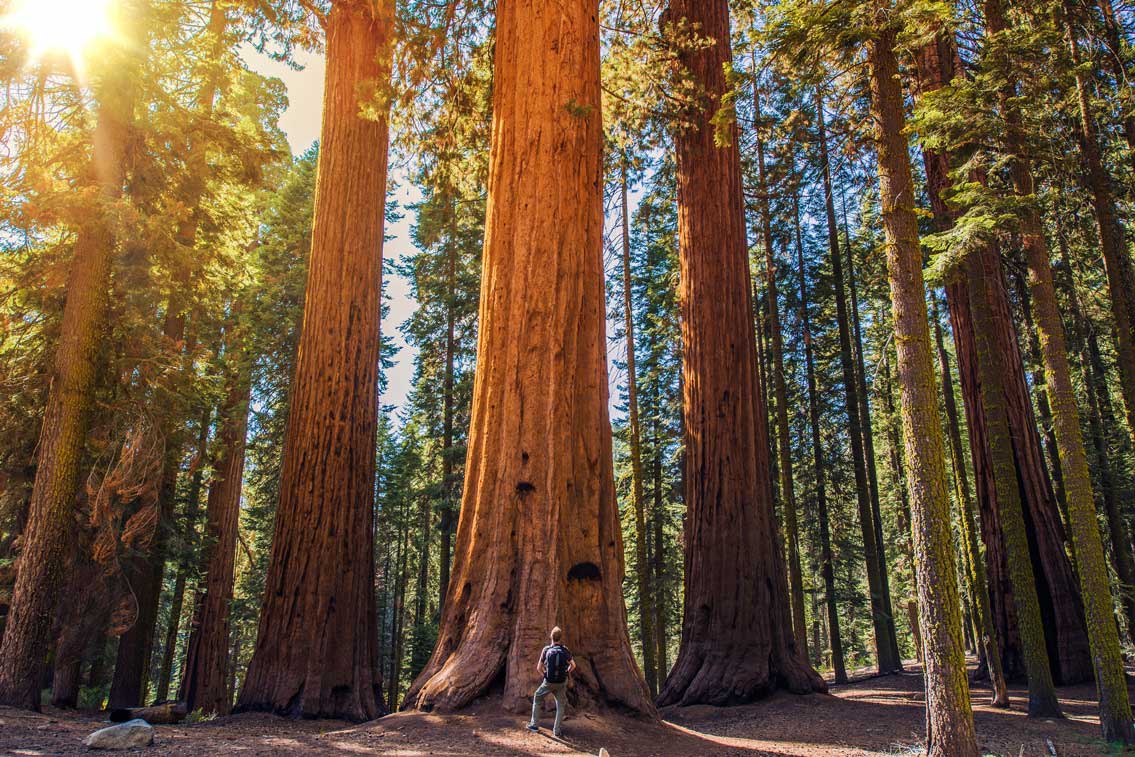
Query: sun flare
<point>59,26</point>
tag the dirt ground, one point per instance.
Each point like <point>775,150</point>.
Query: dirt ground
<point>875,716</point>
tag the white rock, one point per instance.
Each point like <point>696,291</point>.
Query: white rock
<point>128,735</point>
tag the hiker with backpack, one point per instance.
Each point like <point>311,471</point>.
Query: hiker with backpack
<point>555,664</point>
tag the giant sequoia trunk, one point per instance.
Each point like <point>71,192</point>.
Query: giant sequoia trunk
<point>737,639</point>
<point>1057,590</point>
<point>204,683</point>
<point>48,534</point>
<point>538,540</point>
<point>316,650</point>
<point>949,725</point>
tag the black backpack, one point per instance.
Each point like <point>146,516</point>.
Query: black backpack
<point>555,664</point>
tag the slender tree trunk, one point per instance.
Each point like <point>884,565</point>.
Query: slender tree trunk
<point>642,569</point>
<point>1056,586</point>
<point>979,585</point>
<point>539,541</point>
<point>204,683</point>
<point>165,673</point>
<point>316,652</point>
<point>448,514</point>
<point>1113,244</point>
<point>146,572</point>
<point>658,566</point>
<point>827,569</point>
<point>737,640</point>
<point>780,393</point>
<point>983,265</point>
<point>949,717</point>
<point>1103,635</point>
<point>48,534</point>
<point>882,617</point>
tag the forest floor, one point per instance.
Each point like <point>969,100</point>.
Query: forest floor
<point>871,716</point>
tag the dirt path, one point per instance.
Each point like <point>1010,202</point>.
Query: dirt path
<point>876,716</point>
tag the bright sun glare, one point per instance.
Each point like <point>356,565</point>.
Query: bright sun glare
<point>59,26</point>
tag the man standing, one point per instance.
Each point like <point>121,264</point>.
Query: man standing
<point>555,664</point>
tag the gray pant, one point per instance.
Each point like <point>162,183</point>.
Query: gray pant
<point>557,690</point>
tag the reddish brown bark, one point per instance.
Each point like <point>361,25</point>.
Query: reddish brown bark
<point>204,683</point>
<point>538,540</point>
<point>316,650</point>
<point>737,640</point>
<point>48,534</point>
<point>1057,588</point>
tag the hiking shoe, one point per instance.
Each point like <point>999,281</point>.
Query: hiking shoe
<point>533,727</point>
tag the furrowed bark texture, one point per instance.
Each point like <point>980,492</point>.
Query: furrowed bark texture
<point>316,651</point>
<point>1111,681</point>
<point>538,540</point>
<point>204,683</point>
<point>737,640</point>
<point>48,535</point>
<point>949,717</point>
<point>1057,589</point>
<point>984,271</point>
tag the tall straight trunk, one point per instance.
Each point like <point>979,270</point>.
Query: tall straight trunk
<point>780,393</point>
<point>1111,682</point>
<point>1113,241</point>
<point>865,420</point>
<point>1101,424</point>
<point>421,599</point>
<point>827,569</point>
<point>539,541</point>
<point>1116,57</point>
<point>48,535</point>
<point>145,572</point>
<point>658,563</point>
<point>192,505</point>
<point>949,717</point>
<point>316,652</point>
<point>981,266</point>
<point>398,624</point>
<point>448,514</point>
<point>737,640</point>
<point>204,682</point>
<point>979,584</point>
<point>642,569</point>
<point>1056,588</point>
<point>1044,411</point>
<point>882,617</point>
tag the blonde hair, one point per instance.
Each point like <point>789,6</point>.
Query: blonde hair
<point>557,634</point>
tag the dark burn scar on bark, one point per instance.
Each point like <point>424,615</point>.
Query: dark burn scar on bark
<point>584,571</point>
<point>524,487</point>
<point>524,456</point>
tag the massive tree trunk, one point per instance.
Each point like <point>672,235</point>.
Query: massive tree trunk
<point>949,717</point>
<point>538,541</point>
<point>642,569</point>
<point>983,270</point>
<point>1056,588</point>
<point>48,535</point>
<point>827,569</point>
<point>737,640</point>
<point>316,650</point>
<point>204,682</point>
<point>780,393</point>
<point>887,654</point>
